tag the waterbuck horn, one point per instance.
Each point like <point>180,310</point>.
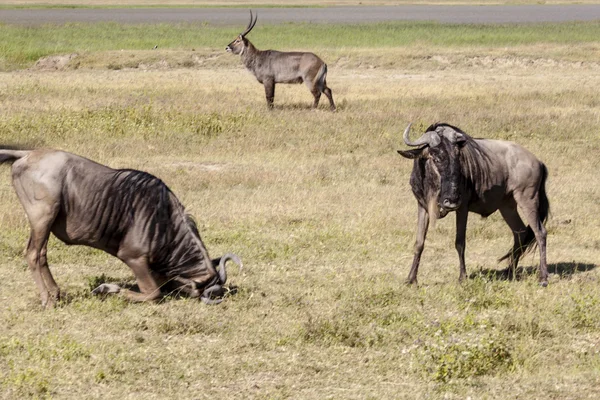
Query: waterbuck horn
<point>250,25</point>
<point>430,139</point>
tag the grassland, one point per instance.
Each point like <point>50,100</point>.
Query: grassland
<point>319,207</point>
<point>23,45</point>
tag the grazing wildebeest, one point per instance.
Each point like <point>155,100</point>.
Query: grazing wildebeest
<point>129,214</point>
<point>271,67</point>
<point>454,172</point>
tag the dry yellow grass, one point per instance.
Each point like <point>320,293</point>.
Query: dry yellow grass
<point>319,207</point>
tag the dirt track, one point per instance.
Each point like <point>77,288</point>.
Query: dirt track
<point>235,16</point>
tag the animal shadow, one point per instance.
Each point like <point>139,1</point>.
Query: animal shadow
<point>303,107</point>
<point>562,269</point>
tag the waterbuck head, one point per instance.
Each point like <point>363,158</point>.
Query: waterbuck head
<point>438,156</point>
<point>240,43</point>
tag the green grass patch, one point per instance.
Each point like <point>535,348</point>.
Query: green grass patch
<point>23,45</point>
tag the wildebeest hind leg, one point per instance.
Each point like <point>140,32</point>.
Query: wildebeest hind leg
<point>530,206</point>
<point>519,230</point>
<point>41,217</point>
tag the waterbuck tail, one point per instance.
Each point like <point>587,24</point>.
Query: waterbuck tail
<point>8,155</point>
<point>321,76</point>
<point>529,243</point>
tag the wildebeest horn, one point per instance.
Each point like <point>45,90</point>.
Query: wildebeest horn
<point>431,139</point>
<point>217,289</point>
<point>250,24</point>
<point>222,272</point>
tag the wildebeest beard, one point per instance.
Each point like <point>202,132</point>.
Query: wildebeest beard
<point>425,183</point>
<point>175,246</point>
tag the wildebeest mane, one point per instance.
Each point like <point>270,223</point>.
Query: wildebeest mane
<point>475,162</point>
<point>137,196</point>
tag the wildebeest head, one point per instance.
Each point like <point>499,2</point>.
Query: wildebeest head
<point>437,175</point>
<point>240,43</point>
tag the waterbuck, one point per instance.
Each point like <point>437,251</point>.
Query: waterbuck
<point>129,214</point>
<point>271,67</point>
<point>454,172</point>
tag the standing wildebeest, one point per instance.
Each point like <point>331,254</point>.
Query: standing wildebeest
<point>127,213</point>
<point>455,172</point>
<point>271,67</point>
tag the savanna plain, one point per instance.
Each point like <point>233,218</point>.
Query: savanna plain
<point>318,206</point>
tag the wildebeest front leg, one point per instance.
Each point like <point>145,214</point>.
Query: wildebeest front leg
<point>269,91</point>
<point>422,226</point>
<point>149,289</point>
<point>462,215</point>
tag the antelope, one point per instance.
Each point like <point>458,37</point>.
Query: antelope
<point>271,67</point>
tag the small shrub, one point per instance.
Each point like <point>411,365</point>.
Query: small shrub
<point>450,358</point>
<point>114,66</point>
<point>585,312</point>
<point>339,331</point>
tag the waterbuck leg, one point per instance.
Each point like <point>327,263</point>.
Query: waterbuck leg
<point>317,94</point>
<point>269,91</point>
<point>519,230</point>
<point>530,205</point>
<point>327,93</point>
<point>462,215</point>
<point>315,90</point>
<point>422,226</point>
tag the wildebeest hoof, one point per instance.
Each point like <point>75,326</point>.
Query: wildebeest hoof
<point>106,288</point>
<point>50,303</point>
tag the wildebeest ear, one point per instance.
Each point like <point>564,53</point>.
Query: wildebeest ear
<point>414,153</point>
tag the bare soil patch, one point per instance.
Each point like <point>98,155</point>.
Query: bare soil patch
<point>55,62</point>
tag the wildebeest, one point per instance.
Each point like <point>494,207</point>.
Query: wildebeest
<point>129,214</point>
<point>454,172</point>
<point>271,67</point>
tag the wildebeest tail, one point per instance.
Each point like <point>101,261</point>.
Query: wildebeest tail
<point>544,206</point>
<point>10,155</point>
<point>321,76</point>
<point>543,211</point>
